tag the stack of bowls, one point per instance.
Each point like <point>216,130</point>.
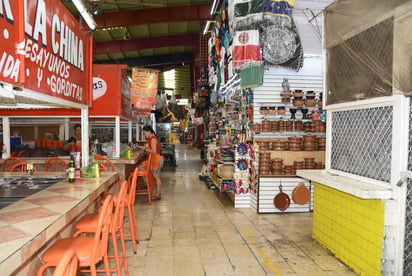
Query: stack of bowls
<point>289,170</point>
<point>321,143</point>
<point>309,142</point>
<point>289,126</point>
<point>257,128</point>
<point>281,125</point>
<point>266,126</point>
<point>274,126</point>
<point>309,163</point>
<point>264,163</point>
<point>277,166</point>
<point>263,145</point>
<point>318,124</point>
<point>307,127</point>
<point>295,143</point>
<point>298,125</point>
<point>279,145</point>
<point>318,165</point>
<point>298,165</point>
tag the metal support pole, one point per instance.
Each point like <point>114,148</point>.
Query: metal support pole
<point>85,135</point>
<point>6,137</point>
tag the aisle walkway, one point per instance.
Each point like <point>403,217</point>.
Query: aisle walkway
<point>195,231</point>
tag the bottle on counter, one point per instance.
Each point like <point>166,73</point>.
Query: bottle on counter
<point>72,170</point>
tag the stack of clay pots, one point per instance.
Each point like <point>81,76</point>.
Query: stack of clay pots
<point>319,165</point>
<point>309,163</point>
<point>307,126</point>
<point>309,142</point>
<point>318,124</point>
<point>321,142</point>
<point>257,128</point>
<point>279,145</point>
<point>289,126</point>
<point>274,126</point>
<point>281,125</point>
<point>277,166</point>
<point>295,143</point>
<point>263,145</point>
<point>298,125</point>
<point>264,163</point>
<point>289,170</point>
<point>266,126</point>
<point>286,97</point>
<point>298,98</point>
<point>298,165</point>
<point>310,100</point>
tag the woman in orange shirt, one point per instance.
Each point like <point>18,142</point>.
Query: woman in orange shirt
<point>153,146</point>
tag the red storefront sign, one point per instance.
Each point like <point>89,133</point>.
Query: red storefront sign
<point>56,50</point>
<point>144,89</point>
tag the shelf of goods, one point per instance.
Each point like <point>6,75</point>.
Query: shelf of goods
<point>269,193</point>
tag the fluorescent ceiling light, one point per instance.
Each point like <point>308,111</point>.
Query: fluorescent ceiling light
<point>88,18</point>
<point>212,11</point>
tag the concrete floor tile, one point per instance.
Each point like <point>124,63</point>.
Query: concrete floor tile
<point>218,269</point>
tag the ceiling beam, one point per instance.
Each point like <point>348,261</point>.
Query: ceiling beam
<point>151,61</point>
<point>153,16</point>
<point>147,43</point>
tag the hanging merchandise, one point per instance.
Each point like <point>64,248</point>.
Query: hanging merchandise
<point>251,76</point>
<point>246,14</point>
<point>279,6</point>
<point>280,41</point>
<point>246,47</point>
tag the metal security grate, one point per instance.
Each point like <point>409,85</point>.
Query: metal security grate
<point>362,142</point>
<point>407,259</point>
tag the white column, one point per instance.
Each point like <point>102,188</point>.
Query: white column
<point>66,129</point>
<point>6,137</point>
<point>117,136</point>
<point>85,135</point>
<point>130,130</point>
<point>137,132</point>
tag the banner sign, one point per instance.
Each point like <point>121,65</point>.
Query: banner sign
<point>144,90</point>
<point>44,49</point>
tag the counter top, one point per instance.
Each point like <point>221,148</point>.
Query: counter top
<point>348,185</point>
<point>27,225</point>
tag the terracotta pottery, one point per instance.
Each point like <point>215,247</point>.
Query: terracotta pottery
<point>281,200</point>
<point>298,102</point>
<point>263,110</point>
<point>301,194</point>
<point>281,110</point>
<point>310,102</point>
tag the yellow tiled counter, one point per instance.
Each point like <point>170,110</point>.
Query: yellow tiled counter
<point>350,227</point>
<point>349,219</point>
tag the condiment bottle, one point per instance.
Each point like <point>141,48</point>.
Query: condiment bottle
<point>72,170</point>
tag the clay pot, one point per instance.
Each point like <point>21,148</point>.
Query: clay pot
<point>281,110</point>
<point>257,127</point>
<point>264,168</point>
<point>298,102</point>
<point>263,110</point>
<point>277,160</point>
<point>277,172</point>
<point>310,102</point>
<point>265,172</point>
<point>272,111</point>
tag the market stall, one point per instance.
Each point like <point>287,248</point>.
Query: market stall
<point>39,68</point>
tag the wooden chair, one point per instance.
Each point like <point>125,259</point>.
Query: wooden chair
<point>56,164</point>
<point>68,265</point>
<point>10,162</point>
<point>21,167</point>
<point>89,250</point>
<point>88,224</point>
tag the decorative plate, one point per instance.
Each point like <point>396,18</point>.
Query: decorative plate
<point>242,164</point>
<point>242,149</point>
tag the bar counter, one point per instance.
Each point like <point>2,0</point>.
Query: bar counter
<point>121,165</point>
<point>28,226</point>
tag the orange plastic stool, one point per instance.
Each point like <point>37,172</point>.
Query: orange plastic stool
<point>89,250</point>
<point>88,224</point>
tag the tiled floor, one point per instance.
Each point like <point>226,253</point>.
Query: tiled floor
<point>196,231</point>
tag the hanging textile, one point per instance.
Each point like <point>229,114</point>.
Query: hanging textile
<point>246,47</point>
<point>251,76</point>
